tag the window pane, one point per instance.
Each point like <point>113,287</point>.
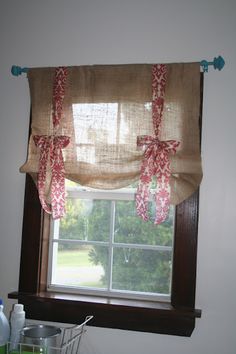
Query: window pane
<point>86,219</point>
<point>89,255</point>
<point>141,270</point>
<point>108,123</point>
<point>81,266</point>
<point>95,122</point>
<point>129,228</point>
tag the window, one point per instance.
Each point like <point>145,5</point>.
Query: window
<point>120,86</point>
<point>102,247</point>
<point>176,317</point>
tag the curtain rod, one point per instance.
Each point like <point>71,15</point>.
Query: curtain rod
<point>217,63</point>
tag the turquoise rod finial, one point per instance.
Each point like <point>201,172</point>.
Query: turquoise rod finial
<point>17,70</point>
<point>218,63</point>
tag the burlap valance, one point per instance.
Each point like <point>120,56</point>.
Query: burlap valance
<point>105,109</point>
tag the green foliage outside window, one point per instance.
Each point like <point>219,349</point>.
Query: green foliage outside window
<point>134,269</point>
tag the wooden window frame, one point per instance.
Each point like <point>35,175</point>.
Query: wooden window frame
<point>176,317</point>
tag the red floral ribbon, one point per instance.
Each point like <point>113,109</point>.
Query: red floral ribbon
<point>51,149</point>
<point>159,73</point>
<point>58,93</point>
<point>155,163</point>
<point>156,156</point>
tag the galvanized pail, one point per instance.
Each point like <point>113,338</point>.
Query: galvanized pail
<point>40,339</point>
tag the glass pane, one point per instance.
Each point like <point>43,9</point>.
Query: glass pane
<point>109,123</point>
<point>139,270</point>
<point>86,219</point>
<point>83,266</point>
<point>95,122</point>
<point>129,228</point>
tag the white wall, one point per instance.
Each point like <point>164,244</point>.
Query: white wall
<point>75,32</point>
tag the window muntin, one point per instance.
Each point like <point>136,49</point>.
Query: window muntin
<point>102,247</point>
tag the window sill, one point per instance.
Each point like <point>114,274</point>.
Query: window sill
<point>145,316</point>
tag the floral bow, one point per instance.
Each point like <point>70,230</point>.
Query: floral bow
<point>155,162</point>
<point>51,148</point>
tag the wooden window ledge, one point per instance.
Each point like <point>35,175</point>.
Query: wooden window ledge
<point>136,315</point>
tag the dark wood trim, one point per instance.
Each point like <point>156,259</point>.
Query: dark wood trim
<point>30,263</point>
<point>185,242</point>
<point>185,253</point>
<point>110,313</point>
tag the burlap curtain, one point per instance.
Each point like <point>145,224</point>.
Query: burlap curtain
<point>105,109</point>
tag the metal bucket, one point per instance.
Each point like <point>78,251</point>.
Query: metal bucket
<point>40,339</point>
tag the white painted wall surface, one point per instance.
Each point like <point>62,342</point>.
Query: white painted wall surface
<point>76,32</point>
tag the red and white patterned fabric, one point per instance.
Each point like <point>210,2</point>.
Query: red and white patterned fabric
<point>156,156</point>
<point>58,94</point>
<point>51,150</point>
<point>159,74</point>
<point>155,163</point>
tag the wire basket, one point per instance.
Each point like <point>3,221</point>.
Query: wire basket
<point>69,342</point>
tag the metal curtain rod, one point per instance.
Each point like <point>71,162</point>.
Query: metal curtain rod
<point>217,63</point>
